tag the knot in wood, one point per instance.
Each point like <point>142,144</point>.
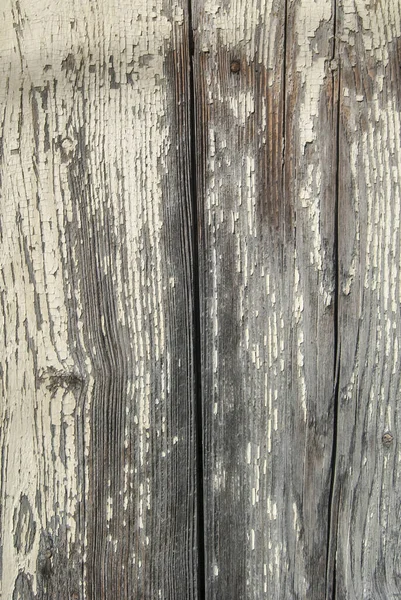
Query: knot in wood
<point>235,66</point>
<point>333,65</point>
<point>387,439</point>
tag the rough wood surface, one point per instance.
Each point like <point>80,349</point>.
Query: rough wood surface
<point>266,132</point>
<point>98,465</point>
<point>292,323</point>
<point>368,474</point>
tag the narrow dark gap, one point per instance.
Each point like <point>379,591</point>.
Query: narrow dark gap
<point>284,100</point>
<point>197,350</point>
<point>331,563</point>
<point>288,216</point>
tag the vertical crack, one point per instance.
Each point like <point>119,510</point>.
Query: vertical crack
<point>333,495</point>
<point>196,312</point>
<point>284,97</point>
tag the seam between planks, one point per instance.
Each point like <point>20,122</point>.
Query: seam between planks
<point>284,121</point>
<point>196,313</point>
<point>333,495</point>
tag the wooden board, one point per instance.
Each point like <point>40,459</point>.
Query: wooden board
<point>267,319</point>
<point>368,473</point>
<point>98,457</point>
<point>266,147</point>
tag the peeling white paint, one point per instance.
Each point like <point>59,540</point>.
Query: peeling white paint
<point>41,410</point>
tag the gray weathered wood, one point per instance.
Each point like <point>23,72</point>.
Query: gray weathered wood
<point>98,465</point>
<point>368,474</point>
<point>297,153</point>
<point>266,142</point>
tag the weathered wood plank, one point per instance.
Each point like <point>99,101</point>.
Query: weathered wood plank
<point>98,465</point>
<point>368,466</point>
<point>266,143</point>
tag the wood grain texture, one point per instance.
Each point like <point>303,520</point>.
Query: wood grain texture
<point>297,150</point>
<point>98,461</point>
<point>266,149</point>
<point>368,474</point>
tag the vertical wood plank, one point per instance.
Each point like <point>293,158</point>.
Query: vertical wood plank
<point>98,460</point>
<point>266,148</point>
<point>368,467</point>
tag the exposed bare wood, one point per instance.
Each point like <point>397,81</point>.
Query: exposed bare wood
<point>266,131</point>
